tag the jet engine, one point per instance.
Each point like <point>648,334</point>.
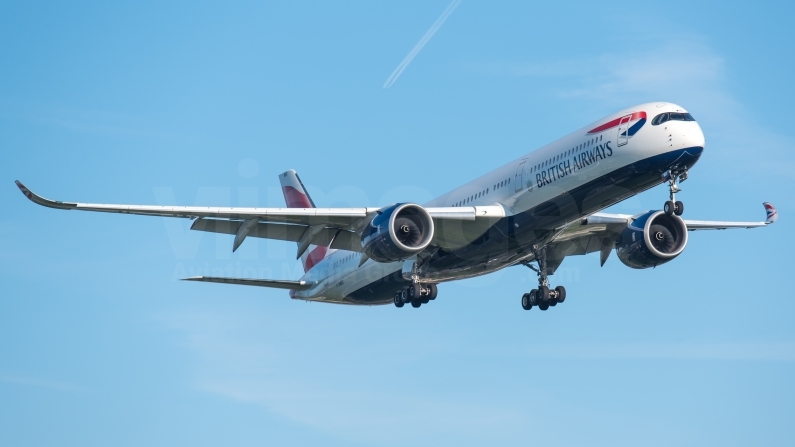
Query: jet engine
<point>397,232</point>
<point>651,240</point>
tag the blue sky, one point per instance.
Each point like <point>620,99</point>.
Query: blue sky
<point>206,103</point>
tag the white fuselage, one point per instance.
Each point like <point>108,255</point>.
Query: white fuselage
<point>545,174</point>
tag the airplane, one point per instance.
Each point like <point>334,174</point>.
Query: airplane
<point>534,211</point>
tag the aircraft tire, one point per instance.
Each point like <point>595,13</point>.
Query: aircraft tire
<point>434,291</point>
<point>415,291</point>
<point>561,293</point>
<point>526,303</point>
<point>404,295</point>
<point>542,295</point>
<point>543,306</point>
<point>398,300</point>
<point>416,303</point>
<point>669,208</point>
<point>679,208</point>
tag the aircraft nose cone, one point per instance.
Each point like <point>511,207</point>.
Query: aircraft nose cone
<point>690,136</point>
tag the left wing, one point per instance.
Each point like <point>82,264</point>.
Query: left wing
<point>335,226</point>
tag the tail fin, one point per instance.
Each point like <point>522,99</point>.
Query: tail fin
<point>295,196</point>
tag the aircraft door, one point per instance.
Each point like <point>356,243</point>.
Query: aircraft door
<point>528,180</point>
<point>623,130</point>
<point>517,181</point>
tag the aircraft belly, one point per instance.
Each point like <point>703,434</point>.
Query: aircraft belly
<point>366,274</point>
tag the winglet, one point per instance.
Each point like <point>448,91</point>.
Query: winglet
<point>772,213</point>
<point>35,198</point>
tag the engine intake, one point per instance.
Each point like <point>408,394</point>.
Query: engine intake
<point>397,232</point>
<point>651,240</point>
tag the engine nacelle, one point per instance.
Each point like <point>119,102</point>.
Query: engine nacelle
<point>397,232</point>
<point>652,239</point>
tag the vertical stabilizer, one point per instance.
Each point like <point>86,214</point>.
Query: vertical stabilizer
<point>295,196</point>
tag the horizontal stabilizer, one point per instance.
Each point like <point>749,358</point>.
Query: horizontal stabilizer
<point>273,283</point>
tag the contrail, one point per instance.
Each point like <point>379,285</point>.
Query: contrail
<point>431,31</point>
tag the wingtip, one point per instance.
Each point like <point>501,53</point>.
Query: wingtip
<point>772,213</point>
<point>35,198</point>
<point>24,189</point>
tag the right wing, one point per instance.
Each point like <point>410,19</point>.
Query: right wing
<point>772,216</point>
<point>598,232</point>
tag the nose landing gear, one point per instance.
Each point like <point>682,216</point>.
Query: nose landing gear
<point>542,297</point>
<point>674,206</point>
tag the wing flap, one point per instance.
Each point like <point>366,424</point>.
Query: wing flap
<point>466,213</point>
<point>338,239</point>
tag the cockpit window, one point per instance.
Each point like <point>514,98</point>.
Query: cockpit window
<point>672,116</point>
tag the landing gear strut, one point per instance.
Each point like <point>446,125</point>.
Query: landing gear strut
<point>417,294</point>
<point>542,297</point>
<point>672,206</point>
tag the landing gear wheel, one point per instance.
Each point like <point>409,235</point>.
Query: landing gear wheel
<point>415,291</point>
<point>526,304</point>
<point>669,208</point>
<point>416,303</point>
<point>679,208</point>
<point>434,291</point>
<point>404,295</point>
<point>543,295</point>
<point>398,300</point>
<point>561,294</point>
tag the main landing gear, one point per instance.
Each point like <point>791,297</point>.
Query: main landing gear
<point>417,294</point>
<point>674,206</point>
<point>543,297</point>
